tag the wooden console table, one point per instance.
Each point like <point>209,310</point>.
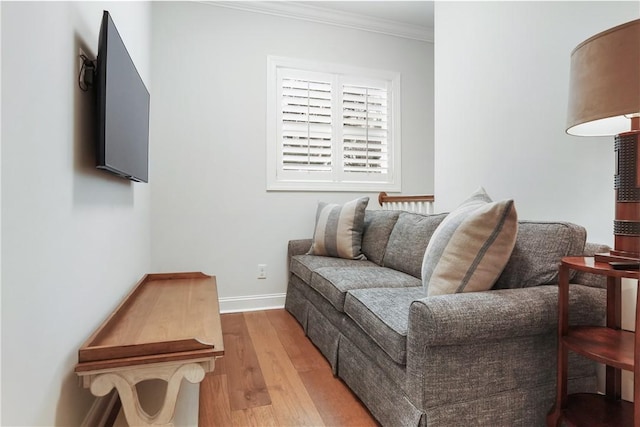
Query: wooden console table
<point>167,328</point>
<point>616,348</point>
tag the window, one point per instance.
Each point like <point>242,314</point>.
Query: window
<point>332,128</point>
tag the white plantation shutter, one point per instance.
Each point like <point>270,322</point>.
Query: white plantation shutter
<point>331,128</point>
<point>364,129</point>
<point>306,125</point>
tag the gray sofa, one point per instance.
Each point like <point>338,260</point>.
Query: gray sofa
<point>478,358</point>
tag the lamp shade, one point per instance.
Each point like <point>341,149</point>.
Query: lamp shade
<point>605,82</point>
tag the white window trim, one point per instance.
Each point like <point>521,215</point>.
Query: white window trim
<point>276,183</point>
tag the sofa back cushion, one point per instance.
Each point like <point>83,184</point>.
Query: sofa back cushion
<point>408,241</point>
<point>377,229</point>
<point>537,253</point>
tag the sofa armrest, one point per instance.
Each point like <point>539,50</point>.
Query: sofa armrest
<point>466,346</point>
<point>297,247</point>
<point>478,316</point>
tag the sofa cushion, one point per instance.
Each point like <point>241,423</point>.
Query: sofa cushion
<point>383,314</point>
<point>303,266</point>
<point>334,282</point>
<point>471,246</point>
<point>377,229</point>
<point>408,241</point>
<point>537,253</point>
<point>338,230</point>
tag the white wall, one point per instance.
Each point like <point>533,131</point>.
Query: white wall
<point>74,239</point>
<point>210,209</point>
<point>0,219</point>
<point>501,79</point>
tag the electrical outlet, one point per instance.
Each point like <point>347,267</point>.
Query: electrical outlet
<point>262,271</point>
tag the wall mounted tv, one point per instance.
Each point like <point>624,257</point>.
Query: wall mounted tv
<point>123,108</point>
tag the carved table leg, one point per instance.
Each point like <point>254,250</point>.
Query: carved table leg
<point>125,380</point>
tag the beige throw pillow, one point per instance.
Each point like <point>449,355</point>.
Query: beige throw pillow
<point>470,247</point>
<point>338,231</point>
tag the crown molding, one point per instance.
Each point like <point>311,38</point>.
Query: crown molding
<point>298,10</point>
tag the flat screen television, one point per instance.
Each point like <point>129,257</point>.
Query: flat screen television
<point>123,108</point>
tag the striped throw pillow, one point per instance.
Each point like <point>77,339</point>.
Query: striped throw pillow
<point>470,247</point>
<point>338,231</point>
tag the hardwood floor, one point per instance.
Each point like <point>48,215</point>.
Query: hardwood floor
<point>272,375</point>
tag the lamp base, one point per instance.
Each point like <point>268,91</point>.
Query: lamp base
<point>616,256</point>
<point>626,226</point>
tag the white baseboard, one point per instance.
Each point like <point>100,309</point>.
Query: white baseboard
<point>251,303</point>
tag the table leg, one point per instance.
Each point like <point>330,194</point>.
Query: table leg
<point>613,382</point>
<point>125,380</point>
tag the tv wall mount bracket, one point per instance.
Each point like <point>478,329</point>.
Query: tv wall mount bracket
<point>87,72</point>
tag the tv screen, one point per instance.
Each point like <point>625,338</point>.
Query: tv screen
<point>123,108</point>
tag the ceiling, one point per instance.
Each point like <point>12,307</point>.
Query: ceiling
<point>410,19</point>
<point>418,13</point>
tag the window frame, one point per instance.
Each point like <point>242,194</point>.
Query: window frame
<point>337,180</point>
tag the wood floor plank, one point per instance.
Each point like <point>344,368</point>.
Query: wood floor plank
<point>302,392</point>
<point>291,402</point>
<point>303,354</point>
<point>247,388</point>
<point>337,405</point>
<point>219,368</point>
<point>214,410</point>
<point>261,416</point>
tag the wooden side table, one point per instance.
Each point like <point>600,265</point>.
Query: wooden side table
<point>610,345</point>
<point>167,328</point>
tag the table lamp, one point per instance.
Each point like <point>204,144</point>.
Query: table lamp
<point>604,99</point>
